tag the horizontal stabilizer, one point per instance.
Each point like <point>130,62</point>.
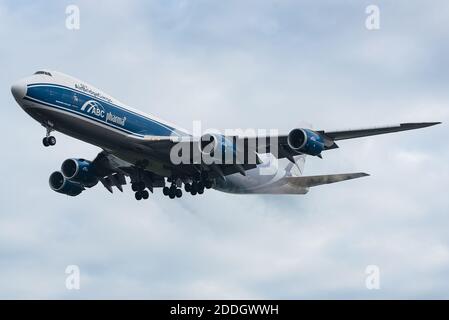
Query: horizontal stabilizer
<point>313,181</point>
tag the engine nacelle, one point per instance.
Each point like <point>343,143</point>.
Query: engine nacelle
<point>80,171</point>
<point>61,184</point>
<point>305,141</point>
<point>216,147</point>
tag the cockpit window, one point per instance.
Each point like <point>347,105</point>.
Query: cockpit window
<point>44,73</point>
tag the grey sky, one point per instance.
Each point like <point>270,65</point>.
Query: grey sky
<point>235,64</point>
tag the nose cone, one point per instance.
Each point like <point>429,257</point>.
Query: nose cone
<point>19,89</point>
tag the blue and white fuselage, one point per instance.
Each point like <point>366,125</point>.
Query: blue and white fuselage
<point>68,105</point>
<point>138,145</point>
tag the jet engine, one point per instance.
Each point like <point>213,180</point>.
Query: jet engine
<point>61,184</point>
<point>80,171</point>
<point>305,141</point>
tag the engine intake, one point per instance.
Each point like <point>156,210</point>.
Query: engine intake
<point>305,141</point>
<point>61,184</point>
<point>80,171</point>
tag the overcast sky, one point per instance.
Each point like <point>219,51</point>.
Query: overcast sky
<point>235,64</point>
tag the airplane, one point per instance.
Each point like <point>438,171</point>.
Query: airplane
<point>139,147</point>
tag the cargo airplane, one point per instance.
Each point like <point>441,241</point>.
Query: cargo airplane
<point>139,147</point>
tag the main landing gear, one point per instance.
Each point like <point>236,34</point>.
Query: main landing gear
<point>172,192</point>
<point>48,140</point>
<point>140,192</point>
<point>200,182</point>
<point>197,187</point>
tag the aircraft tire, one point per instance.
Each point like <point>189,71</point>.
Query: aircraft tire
<point>208,184</point>
<point>51,140</point>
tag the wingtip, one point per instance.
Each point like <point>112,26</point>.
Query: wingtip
<point>421,124</point>
<point>429,124</point>
<point>364,174</point>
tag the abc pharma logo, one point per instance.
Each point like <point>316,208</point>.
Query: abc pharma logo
<point>94,107</point>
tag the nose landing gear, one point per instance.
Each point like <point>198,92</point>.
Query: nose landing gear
<point>48,140</point>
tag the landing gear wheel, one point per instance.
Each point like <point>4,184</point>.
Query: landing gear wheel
<point>134,187</point>
<point>145,194</point>
<point>45,142</point>
<point>178,193</point>
<point>208,184</point>
<point>51,140</point>
<point>201,191</point>
<point>171,195</point>
<point>193,192</point>
<point>187,187</point>
<point>165,191</point>
<point>138,195</point>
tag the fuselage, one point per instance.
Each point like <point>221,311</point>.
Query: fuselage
<point>80,110</point>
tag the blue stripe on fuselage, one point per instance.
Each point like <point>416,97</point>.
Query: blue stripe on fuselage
<point>97,109</point>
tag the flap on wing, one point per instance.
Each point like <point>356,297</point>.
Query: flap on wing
<point>313,181</point>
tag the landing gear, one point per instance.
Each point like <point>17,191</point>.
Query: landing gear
<point>140,192</point>
<point>138,186</point>
<point>194,188</point>
<point>139,195</point>
<point>172,192</point>
<point>208,184</point>
<point>48,140</point>
<point>201,181</point>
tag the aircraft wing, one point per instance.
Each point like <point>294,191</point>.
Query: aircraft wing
<point>365,132</point>
<point>330,137</point>
<point>160,147</point>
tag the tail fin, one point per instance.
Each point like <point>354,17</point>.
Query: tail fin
<point>313,181</point>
